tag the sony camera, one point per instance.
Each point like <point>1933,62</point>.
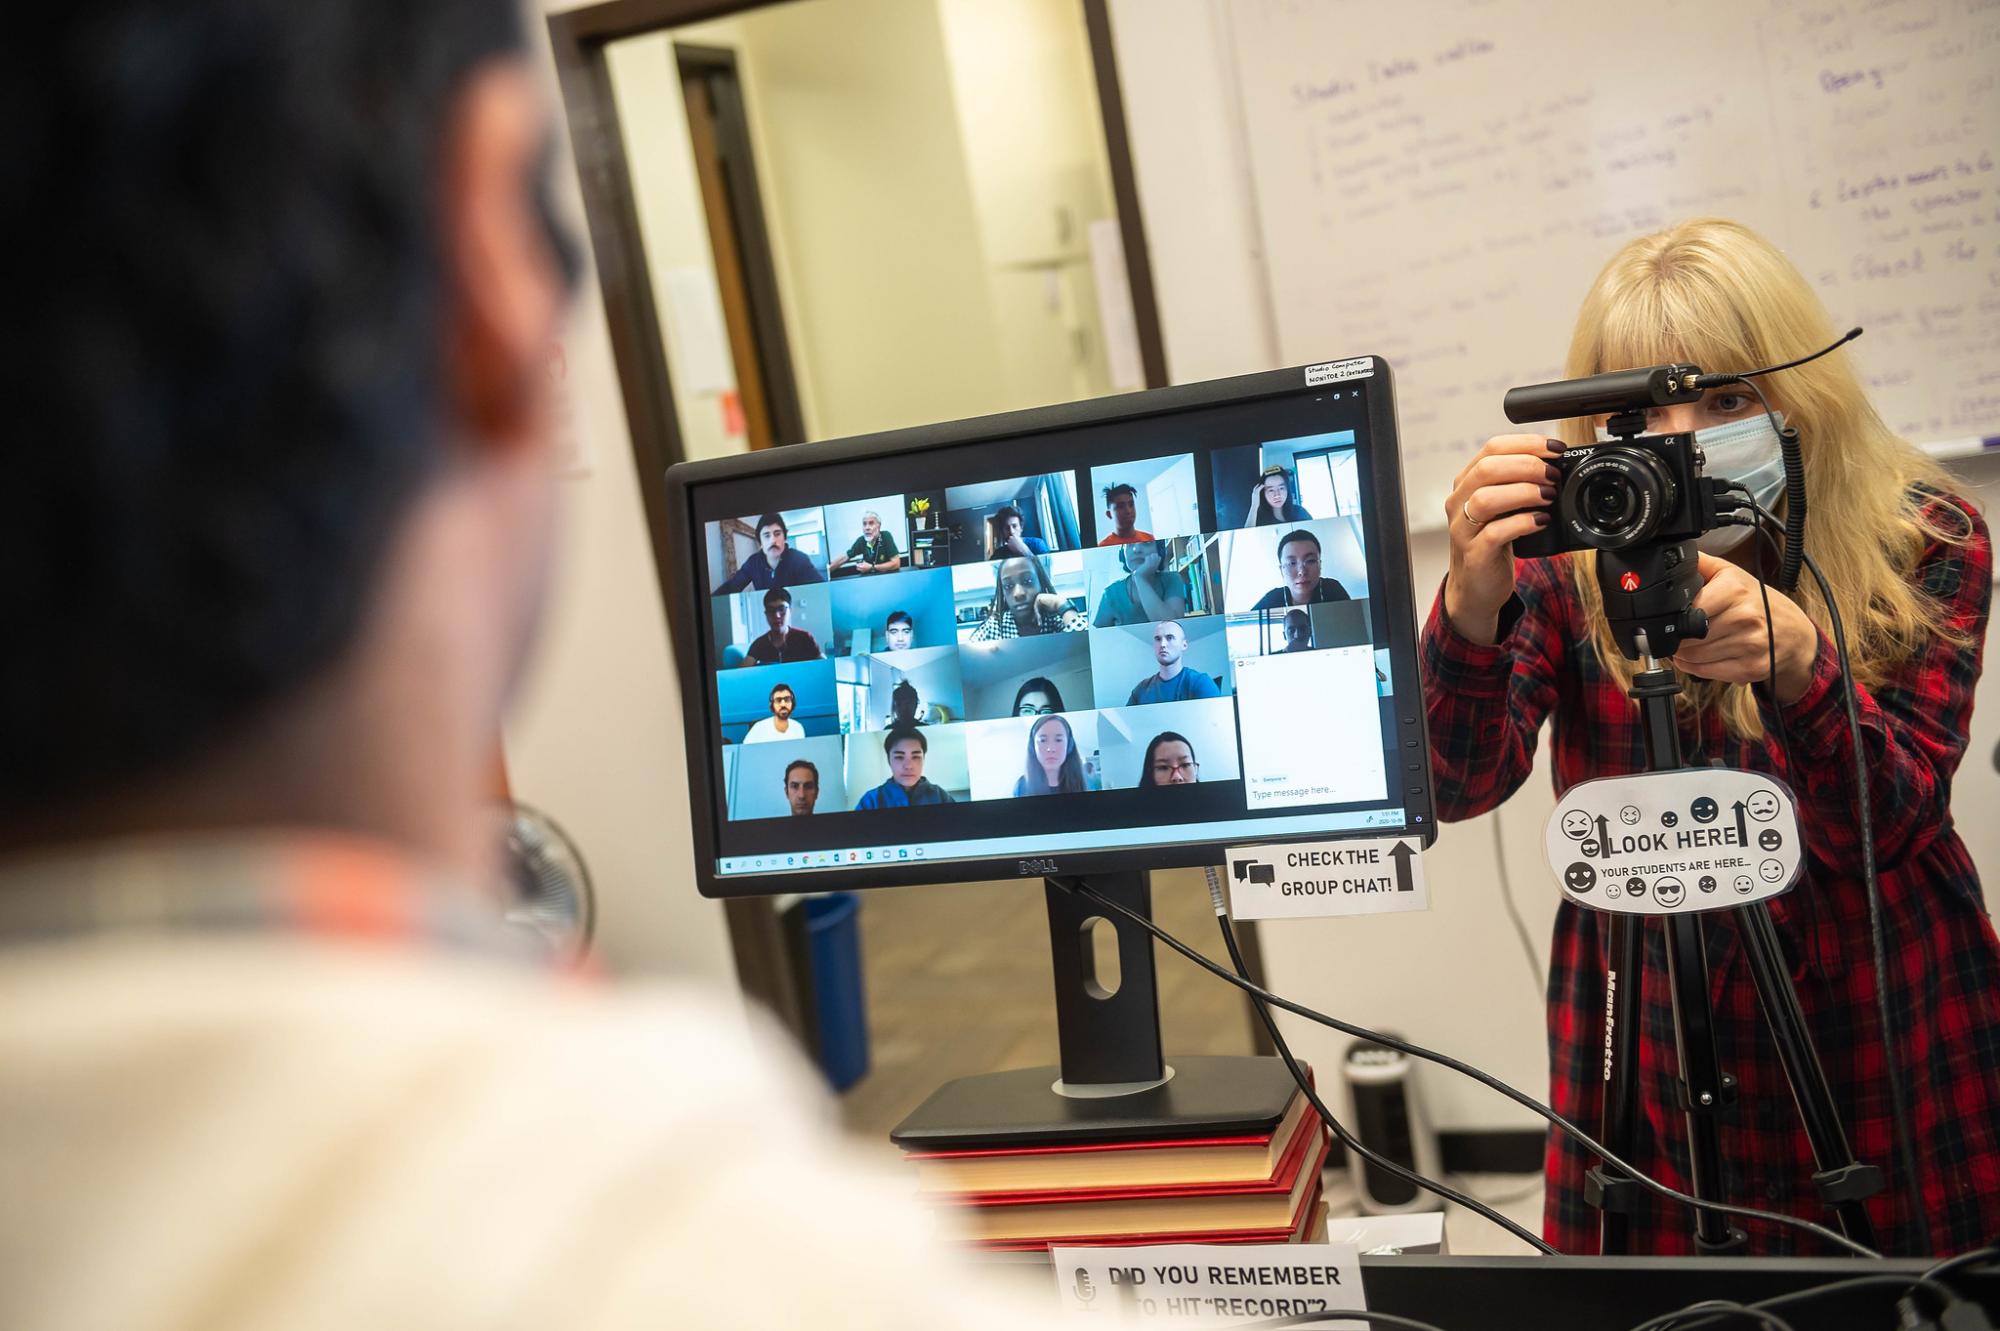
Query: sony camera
<point>1627,492</point>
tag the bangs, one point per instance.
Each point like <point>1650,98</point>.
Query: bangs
<point>1670,313</point>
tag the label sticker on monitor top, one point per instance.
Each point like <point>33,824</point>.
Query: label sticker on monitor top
<point>1333,371</point>
<point>1361,877</point>
<point>1672,843</point>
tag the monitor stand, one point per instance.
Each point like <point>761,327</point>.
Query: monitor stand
<point>1114,1085</point>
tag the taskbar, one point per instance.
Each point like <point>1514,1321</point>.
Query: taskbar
<point>1237,830</point>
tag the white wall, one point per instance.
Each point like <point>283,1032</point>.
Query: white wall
<point>1455,977</point>
<point>597,739</point>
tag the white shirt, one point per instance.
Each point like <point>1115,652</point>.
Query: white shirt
<point>247,1129</point>
<point>768,729</point>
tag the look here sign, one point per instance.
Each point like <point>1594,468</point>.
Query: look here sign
<point>1191,1284</point>
<point>1371,876</point>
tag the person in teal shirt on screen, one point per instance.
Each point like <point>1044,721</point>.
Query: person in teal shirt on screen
<point>1173,682</point>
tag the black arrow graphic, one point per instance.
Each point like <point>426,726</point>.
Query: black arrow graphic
<point>1742,831</point>
<point>1603,837</point>
<point>1401,854</point>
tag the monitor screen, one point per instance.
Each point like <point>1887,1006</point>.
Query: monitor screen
<point>1107,635</point>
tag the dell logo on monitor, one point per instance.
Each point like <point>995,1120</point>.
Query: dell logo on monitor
<point>1030,868</point>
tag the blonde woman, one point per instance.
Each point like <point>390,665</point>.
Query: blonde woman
<point>1510,644</point>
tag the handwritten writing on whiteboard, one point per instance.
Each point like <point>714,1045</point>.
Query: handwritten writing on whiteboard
<point>1439,184</point>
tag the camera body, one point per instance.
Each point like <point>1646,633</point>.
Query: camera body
<point>1630,491</point>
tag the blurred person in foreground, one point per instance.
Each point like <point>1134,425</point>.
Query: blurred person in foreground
<point>266,1059</point>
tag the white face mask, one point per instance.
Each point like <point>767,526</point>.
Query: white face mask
<point>1746,452</point>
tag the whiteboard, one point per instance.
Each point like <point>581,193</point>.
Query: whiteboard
<point>1438,183</point>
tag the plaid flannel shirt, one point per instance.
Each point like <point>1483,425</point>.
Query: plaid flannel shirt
<point>1485,708</point>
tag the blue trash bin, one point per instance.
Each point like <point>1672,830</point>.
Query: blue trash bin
<point>833,942</point>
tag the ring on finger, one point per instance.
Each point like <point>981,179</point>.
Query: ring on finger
<point>1466,512</point>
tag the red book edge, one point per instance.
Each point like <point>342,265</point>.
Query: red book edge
<point>1286,1177</point>
<point>1290,1233</point>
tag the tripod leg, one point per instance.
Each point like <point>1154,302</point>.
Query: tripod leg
<point>1613,1193</point>
<point>1702,1086</point>
<point>1843,1181</point>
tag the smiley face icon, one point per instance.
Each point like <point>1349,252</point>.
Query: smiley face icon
<point>1704,810</point>
<point>1576,824</point>
<point>1770,871</point>
<point>1707,882</point>
<point>1629,815</point>
<point>1669,818</point>
<point>1669,891</point>
<point>1579,877</point>
<point>1636,886</point>
<point>1769,839</point>
<point>1743,885</point>
<point>1763,806</point>
<point>1612,889</point>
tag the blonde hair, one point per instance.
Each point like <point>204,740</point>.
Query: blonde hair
<point>1719,295</point>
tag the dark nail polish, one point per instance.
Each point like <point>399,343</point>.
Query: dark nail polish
<point>1554,473</point>
<point>1557,445</point>
<point>1542,518</point>
<point>1548,494</point>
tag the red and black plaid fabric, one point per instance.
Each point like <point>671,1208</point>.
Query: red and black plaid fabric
<point>1486,706</point>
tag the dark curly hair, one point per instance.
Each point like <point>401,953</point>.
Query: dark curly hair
<point>233,387</point>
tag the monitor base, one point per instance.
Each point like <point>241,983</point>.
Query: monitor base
<point>1207,1096</point>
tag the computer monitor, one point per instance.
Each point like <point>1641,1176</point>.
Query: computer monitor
<point>1104,636</point>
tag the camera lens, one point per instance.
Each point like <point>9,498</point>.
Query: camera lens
<point>1617,497</point>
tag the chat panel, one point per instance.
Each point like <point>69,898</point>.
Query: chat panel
<point>1311,728</point>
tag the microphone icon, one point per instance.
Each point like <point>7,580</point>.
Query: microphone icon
<point>1086,1289</point>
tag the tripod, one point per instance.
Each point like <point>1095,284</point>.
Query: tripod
<point>1648,598</point>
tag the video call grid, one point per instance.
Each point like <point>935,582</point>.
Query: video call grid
<point>1164,601</point>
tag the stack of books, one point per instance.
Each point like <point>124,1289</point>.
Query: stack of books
<point>1254,1187</point>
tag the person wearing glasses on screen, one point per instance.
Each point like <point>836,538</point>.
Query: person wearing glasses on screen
<point>900,632</point>
<point>779,724</point>
<point>775,564</point>
<point>1053,765</point>
<point>1271,500</point>
<point>801,787</point>
<point>1025,604</point>
<point>1148,592</point>
<point>1169,761</point>
<point>1121,505</point>
<point>1038,697</point>
<point>1298,564</point>
<point>1003,536</point>
<point>905,748</point>
<point>1173,681</point>
<point>873,551</point>
<point>783,644</point>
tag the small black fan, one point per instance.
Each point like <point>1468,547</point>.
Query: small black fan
<point>551,897</point>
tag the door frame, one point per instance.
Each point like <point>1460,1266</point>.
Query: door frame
<point>579,38</point>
